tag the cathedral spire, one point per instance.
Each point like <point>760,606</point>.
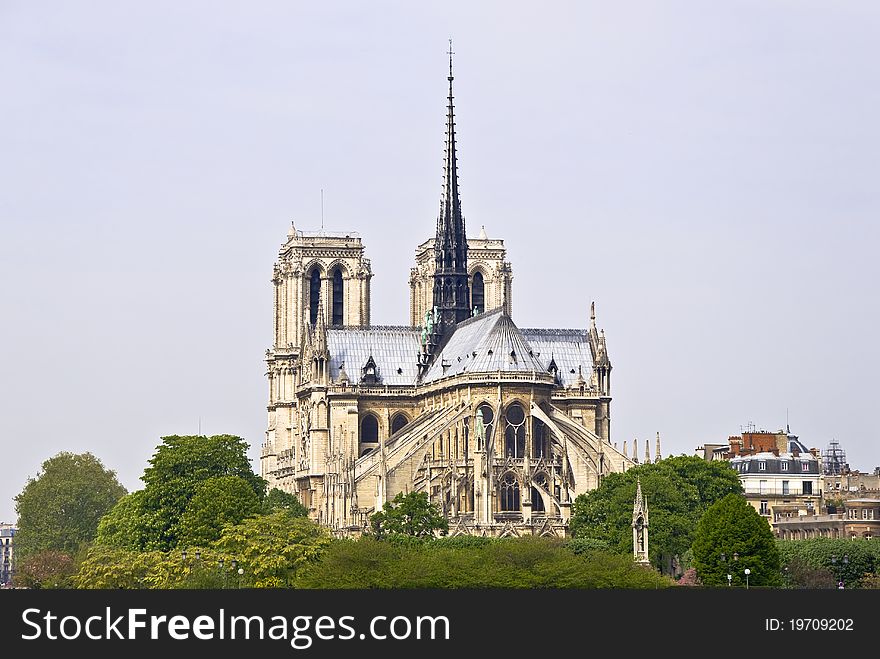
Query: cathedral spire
<point>451,289</point>
<point>657,450</point>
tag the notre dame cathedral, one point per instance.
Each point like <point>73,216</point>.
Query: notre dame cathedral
<point>501,426</point>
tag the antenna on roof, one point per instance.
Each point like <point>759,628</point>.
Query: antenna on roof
<point>787,430</point>
<point>322,209</point>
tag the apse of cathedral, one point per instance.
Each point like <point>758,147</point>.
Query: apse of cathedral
<point>501,426</point>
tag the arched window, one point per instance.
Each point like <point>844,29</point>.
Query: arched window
<point>509,493</point>
<point>488,419</point>
<point>540,448</point>
<point>515,432</point>
<point>478,295</point>
<point>314,295</point>
<point>337,297</point>
<point>398,422</point>
<point>369,430</point>
<point>537,499</point>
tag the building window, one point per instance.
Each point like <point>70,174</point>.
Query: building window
<point>488,419</point>
<point>864,513</point>
<point>539,439</point>
<point>369,430</point>
<point>808,487</point>
<point>764,509</point>
<point>783,466</point>
<point>515,432</point>
<point>337,318</point>
<point>762,487</point>
<point>478,296</point>
<point>762,466</point>
<point>785,488</point>
<point>509,493</point>
<point>398,422</point>
<point>314,295</point>
<point>537,501</point>
<point>805,466</point>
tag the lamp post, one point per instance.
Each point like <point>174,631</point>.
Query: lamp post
<point>747,572</point>
<point>727,565</point>
<point>838,572</point>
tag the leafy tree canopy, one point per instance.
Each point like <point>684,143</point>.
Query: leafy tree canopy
<point>60,508</point>
<point>529,562</point>
<point>280,500</point>
<point>862,556</point>
<point>272,548</point>
<point>408,514</point>
<point>178,470</point>
<point>677,490</point>
<point>732,526</point>
<point>217,502</point>
<point>48,568</point>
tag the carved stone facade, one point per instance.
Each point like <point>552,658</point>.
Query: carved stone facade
<point>502,427</point>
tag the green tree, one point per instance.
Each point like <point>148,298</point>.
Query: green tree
<point>408,514</point>
<point>678,490</point>
<point>60,508</point>
<point>732,526</point>
<point>217,502</point>
<point>178,469</point>
<point>844,559</point>
<point>107,567</point>
<point>521,563</point>
<point>271,549</point>
<point>280,500</point>
<point>47,568</point>
<point>127,524</point>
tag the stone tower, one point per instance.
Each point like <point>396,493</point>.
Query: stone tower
<point>318,274</point>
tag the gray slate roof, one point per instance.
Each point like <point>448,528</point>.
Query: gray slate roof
<point>569,348</point>
<point>392,348</point>
<point>480,344</point>
<point>485,343</point>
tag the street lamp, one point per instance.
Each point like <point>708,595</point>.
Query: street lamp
<point>747,573</point>
<point>727,565</point>
<point>839,572</point>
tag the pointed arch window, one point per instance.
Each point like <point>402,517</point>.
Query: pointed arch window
<point>398,422</point>
<point>478,292</point>
<point>369,430</point>
<point>509,491</point>
<point>337,318</point>
<point>314,295</point>
<point>540,443</point>
<point>488,420</point>
<point>537,501</point>
<point>515,432</point>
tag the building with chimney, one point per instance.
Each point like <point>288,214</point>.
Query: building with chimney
<point>501,426</point>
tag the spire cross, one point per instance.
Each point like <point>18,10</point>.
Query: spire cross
<point>450,52</point>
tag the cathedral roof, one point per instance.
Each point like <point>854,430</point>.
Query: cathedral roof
<point>394,350</point>
<point>569,349</point>
<point>486,343</point>
<point>480,344</point>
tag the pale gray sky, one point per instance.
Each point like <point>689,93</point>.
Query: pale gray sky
<point>706,171</point>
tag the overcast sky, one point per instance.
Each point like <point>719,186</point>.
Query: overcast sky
<point>707,172</point>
